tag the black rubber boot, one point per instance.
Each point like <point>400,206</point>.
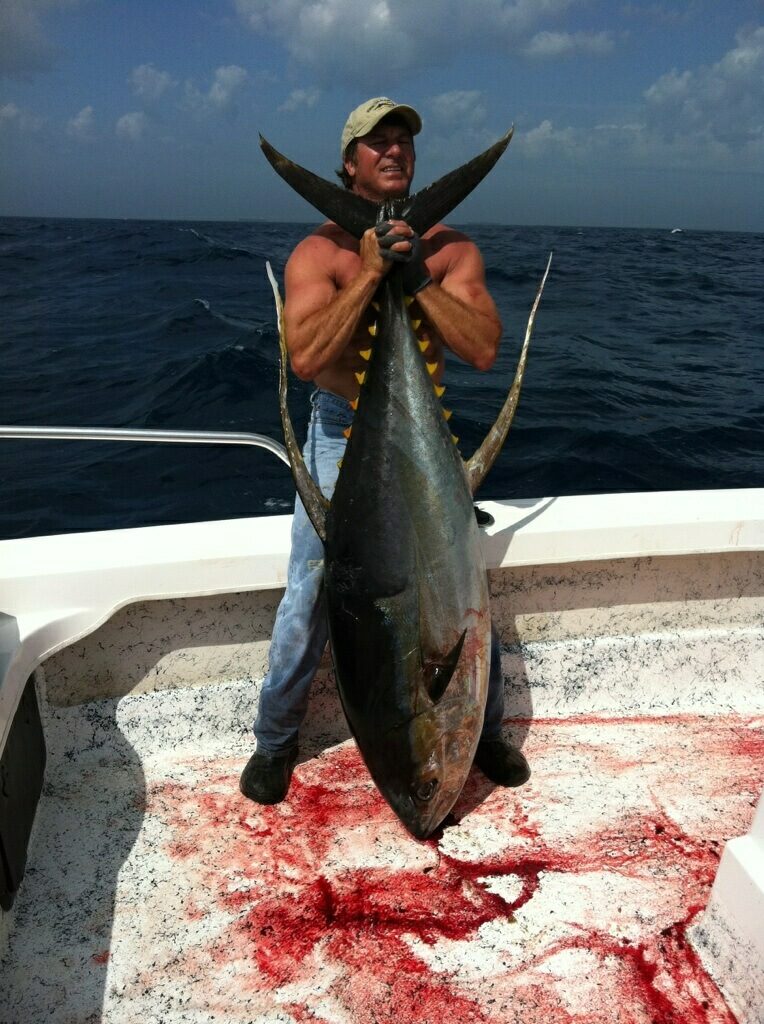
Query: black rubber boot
<point>266,777</point>
<point>502,763</point>
<point>483,518</point>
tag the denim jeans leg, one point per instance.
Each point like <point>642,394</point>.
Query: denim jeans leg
<point>300,631</point>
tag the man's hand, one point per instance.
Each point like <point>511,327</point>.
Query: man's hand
<point>372,256</point>
<point>401,244</point>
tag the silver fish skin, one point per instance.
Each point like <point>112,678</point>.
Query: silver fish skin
<point>405,583</point>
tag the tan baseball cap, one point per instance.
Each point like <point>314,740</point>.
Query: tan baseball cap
<point>364,118</point>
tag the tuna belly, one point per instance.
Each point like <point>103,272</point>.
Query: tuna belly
<point>418,740</point>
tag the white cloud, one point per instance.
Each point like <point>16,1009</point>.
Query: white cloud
<point>9,112</point>
<point>227,83</point>
<point>347,39</point>
<point>558,44</point>
<point>82,125</point>
<point>300,98</point>
<point>723,102</point>
<point>711,116</point>
<point>131,126</point>
<point>24,46</point>
<point>462,107</point>
<point>149,83</point>
<point>545,138</point>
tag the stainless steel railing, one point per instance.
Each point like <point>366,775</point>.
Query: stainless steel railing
<point>141,436</point>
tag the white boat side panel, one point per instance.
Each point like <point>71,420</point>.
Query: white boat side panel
<point>607,526</point>
<point>104,571</point>
<point>249,554</point>
<point>691,637</point>
<point>729,935</point>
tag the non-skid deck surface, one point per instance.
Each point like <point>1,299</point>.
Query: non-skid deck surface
<point>157,893</point>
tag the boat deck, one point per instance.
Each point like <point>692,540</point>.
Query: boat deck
<point>155,892</point>
<point>633,658</point>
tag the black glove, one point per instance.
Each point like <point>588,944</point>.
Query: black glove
<point>415,276</point>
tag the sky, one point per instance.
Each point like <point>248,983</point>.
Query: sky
<point>626,114</point>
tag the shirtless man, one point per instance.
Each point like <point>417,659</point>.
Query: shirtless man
<point>330,281</point>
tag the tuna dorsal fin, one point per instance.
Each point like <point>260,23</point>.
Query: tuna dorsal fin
<point>353,213</point>
<point>356,214</point>
<point>438,672</point>
<point>435,202</point>
<point>478,466</point>
<point>315,503</point>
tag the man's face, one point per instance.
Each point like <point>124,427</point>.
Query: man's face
<point>384,162</point>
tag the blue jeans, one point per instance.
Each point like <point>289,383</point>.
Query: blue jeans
<point>300,632</point>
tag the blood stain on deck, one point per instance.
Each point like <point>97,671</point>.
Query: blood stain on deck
<point>556,902</point>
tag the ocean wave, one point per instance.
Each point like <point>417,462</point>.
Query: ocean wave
<point>217,248</point>
<point>645,370</point>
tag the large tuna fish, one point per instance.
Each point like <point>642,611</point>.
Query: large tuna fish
<point>405,580</point>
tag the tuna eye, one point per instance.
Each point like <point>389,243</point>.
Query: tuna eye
<point>424,791</point>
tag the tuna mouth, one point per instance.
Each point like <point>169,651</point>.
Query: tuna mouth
<point>423,814</point>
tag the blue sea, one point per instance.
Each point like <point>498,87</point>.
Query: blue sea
<point>646,370</point>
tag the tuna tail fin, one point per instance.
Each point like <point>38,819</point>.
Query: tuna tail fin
<point>315,503</point>
<point>478,466</point>
<point>435,202</point>
<point>353,213</point>
<point>356,214</point>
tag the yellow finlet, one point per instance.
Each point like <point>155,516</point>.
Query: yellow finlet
<point>361,377</point>
<point>354,404</point>
<point>440,390</point>
<point>365,353</point>
<point>431,368</point>
<point>416,324</point>
<point>424,344</point>
<point>373,329</point>
<point>339,464</point>
<point>455,439</point>
<point>447,414</point>
<point>408,299</point>
<point>375,305</point>
<point>347,432</point>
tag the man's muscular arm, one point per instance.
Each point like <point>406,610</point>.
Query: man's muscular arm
<point>461,310</point>
<point>459,307</point>
<point>320,318</point>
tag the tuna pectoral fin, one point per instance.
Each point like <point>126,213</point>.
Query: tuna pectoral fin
<point>315,503</point>
<point>438,672</point>
<point>436,201</point>
<point>478,466</point>
<point>353,213</point>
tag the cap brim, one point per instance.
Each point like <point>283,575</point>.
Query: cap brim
<point>409,115</point>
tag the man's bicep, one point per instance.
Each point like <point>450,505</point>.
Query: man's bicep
<point>309,284</point>
<point>465,279</point>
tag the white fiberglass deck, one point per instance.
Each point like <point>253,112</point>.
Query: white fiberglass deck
<point>156,893</point>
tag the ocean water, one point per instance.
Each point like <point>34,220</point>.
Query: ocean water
<point>646,370</point>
